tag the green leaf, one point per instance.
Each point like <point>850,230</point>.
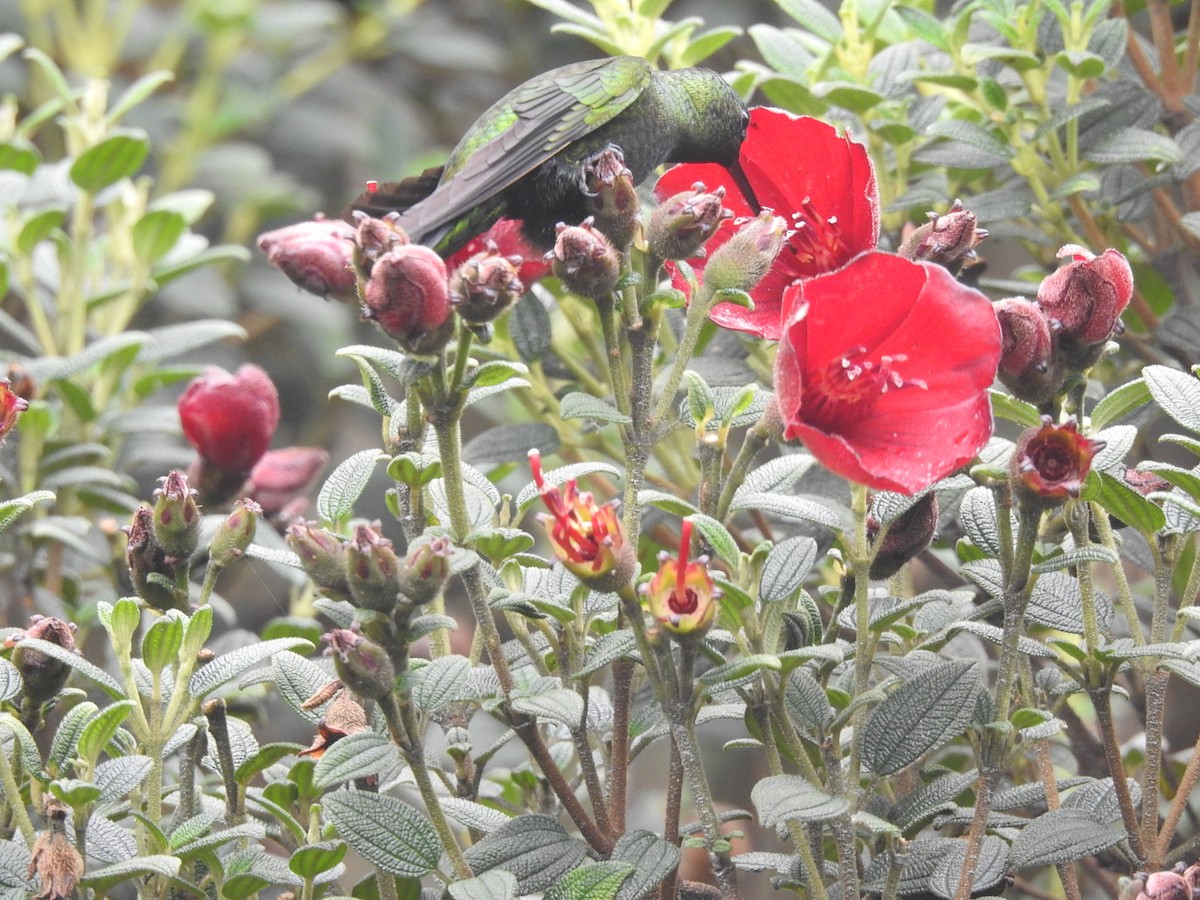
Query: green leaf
<point>387,832</point>
<point>607,649</point>
<point>1060,836</point>
<point>37,228</point>
<point>991,867</point>
<point>815,17</point>
<point>156,233</point>
<point>601,881</point>
<point>118,156</point>
<point>101,880</point>
<point>1129,145</point>
<point>717,536</point>
<point>262,759</point>
<point>197,631</point>
<point>315,859</point>
<point>577,405</point>
<point>496,372</point>
<point>174,340</point>
<point>494,885</point>
<point>230,665</point>
<point>1009,407</point>
<point>164,638</point>
<point>18,155</point>
<point>789,798</point>
<point>560,705</point>
<point>788,507</point>
<point>921,715</point>
<point>1126,504</point>
<point>10,680</point>
<point>441,683</point>
<point>534,847</point>
<point>666,502</point>
<point>652,858</point>
<point>11,510</point>
<point>1177,393</point>
<point>76,662</point>
<point>787,565</point>
<point>356,756</point>
<point>345,485</point>
<point>705,45</point>
<point>100,730</point>
<point>1120,402</point>
<point>778,475</point>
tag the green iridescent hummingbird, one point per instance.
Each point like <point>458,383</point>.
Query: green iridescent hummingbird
<point>525,158</point>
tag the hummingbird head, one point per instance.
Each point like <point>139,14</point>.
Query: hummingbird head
<point>715,126</point>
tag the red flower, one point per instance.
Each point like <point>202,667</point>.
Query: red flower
<point>230,419</point>
<point>1085,298</point>
<point>883,371</point>
<point>822,183</point>
<point>11,406</point>
<point>508,240</point>
<point>1052,461</point>
<point>681,595</point>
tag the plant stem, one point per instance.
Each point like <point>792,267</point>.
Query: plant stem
<point>618,758</point>
<point>671,834</point>
<point>1102,701</point>
<point>755,440</point>
<point>218,729</point>
<point>13,792</point>
<point>1178,804</point>
<point>697,315</point>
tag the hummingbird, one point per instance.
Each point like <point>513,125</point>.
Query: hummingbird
<point>525,158</point>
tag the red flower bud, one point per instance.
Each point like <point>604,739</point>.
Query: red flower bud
<point>317,256</point>
<point>42,676</point>
<point>322,556</point>
<point>235,534</point>
<point>681,595</point>
<point>408,299</point>
<point>176,516</point>
<point>585,260</point>
<point>681,224</point>
<point>1085,298</point>
<point>1027,346</point>
<point>948,240</point>
<point>586,537</point>
<point>375,237</point>
<point>1052,461</point>
<point>742,261</point>
<point>11,406</point>
<point>282,475</point>
<point>230,419</point>
<point>909,534</point>
<point>612,197</point>
<point>485,286</point>
<point>361,664</point>
<point>372,569</point>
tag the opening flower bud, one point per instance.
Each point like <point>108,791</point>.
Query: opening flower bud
<point>345,716</point>
<point>1052,461</point>
<point>909,534</point>
<point>585,260</point>
<point>43,676</point>
<point>485,286</point>
<point>408,299</point>
<point>681,595</point>
<point>586,537</point>
<point>742,261</point>
<point>375,237</point>
<point>1085,298</point>
<point>176,516</point>
<point>426,569</point>
<point>361,664</point>
<point>372,569</point>
<point>318,256</point>
<point>948,240</point>
<point>322,556</point>
<point>235,534</point>
<point>612,198</point>
<point>282,476</point>
<point>681,224</point>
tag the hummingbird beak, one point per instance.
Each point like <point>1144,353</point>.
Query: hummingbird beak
<point>739,178</point>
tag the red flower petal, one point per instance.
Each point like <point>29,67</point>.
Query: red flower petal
<point>822,183</point>
<point>883,371</point>
<point>506,235</point>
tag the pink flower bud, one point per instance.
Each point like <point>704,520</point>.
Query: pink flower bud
<point>1085,298</point>
<point>375,237</point>
<point>1166,886</point>
<point>43,676</point>
<point>408,299</point>
<point>235,534</point>
<point>907,535</point>
<point>322,556</point>
<point>317,256</point>
<point>152,572</point>
<point>742,261</point>
<point>372,569</point>
<point>948,240</point>
<point>681,224</point>
<point>176,516</point>
<point>230,419</point>
<point>612,197</point>
<point>1027,346</point>
<point>361,664</point>
<point>485,286</point>
<point>585,260</point>
<point>282,475</point>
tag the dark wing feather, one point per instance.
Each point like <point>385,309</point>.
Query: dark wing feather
<point>526,127</point>
<point>398,196</point>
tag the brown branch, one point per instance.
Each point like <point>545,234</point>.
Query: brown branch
<point>1178,805</point>
<point>1102,702</point>
<point>618,756</point>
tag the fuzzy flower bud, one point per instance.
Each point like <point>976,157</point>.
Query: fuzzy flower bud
<point>374,238</point>
<point>361,664</point>
<point>1027,346</point>
<point>318,256</point>
<point>176,516</point>
<point>742,261</point>
<point>948,240</point>
<point>681,595</point>
<point>55,862</point>
<point>426,569</point>
<point>282,476</point>
<point>230,419</point>
<point>408,299</point>
<point>1166,886</point>
<point>322,556</point>
<point>909,534</point>
<point>586,537</point>
<point>612,197</point>
<point>585,260</point>
<point>11,406</point>
<point>681,224</point>
<point>152,572</point>
<point>1052,461</point>
<point>1085,298</point>
<point>236,533</point>
<point>43,676</point>
<point>372,569</point>
<point>485,286</point>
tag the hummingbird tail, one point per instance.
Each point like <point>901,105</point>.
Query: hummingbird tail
<point>396,196</point>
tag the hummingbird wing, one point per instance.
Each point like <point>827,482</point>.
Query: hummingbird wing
<point>529,125</point>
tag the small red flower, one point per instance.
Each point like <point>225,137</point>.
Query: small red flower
<point>11,406</point>
<point>1085,298</point>
<point>883,371</point>
<point>681,595</point>
<point>1052,461</point>
<point>230,419</point>
<point>586,537</point>
<point>506,236</point>
<point>822,183</point>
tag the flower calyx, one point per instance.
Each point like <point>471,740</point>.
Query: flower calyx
<point>681,595</point>
<point>1052,461</point>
